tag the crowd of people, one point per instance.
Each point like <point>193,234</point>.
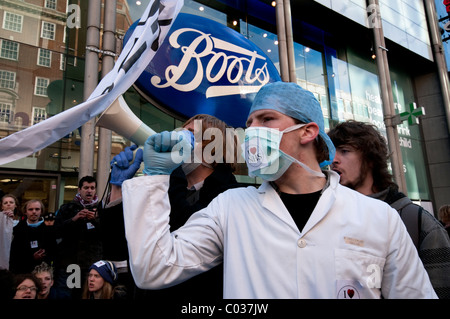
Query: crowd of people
<point>190,230</point>
<point>89,233</point>
<point>42,248</point>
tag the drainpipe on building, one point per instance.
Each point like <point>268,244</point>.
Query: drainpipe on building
<point>90,83</point>
<point>289,41</point>
<point>105,135</point>
<point>390,120</point>
<point>282,44</point>
<point>439,56</point>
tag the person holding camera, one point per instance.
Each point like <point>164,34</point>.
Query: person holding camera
<point>77,226</point>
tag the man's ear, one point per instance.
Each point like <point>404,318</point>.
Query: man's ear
<point>309,132</point>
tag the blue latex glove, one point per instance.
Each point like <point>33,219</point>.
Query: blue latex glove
<point>165,151</point>
<point>122,165</point>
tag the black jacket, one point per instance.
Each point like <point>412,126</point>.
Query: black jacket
<point>26,241</point>
<point>181,209</point>
<point>80,240</point>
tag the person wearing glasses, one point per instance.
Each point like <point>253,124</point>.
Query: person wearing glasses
<point>27,286</point>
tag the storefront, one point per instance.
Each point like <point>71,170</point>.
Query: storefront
<point>339,71</point>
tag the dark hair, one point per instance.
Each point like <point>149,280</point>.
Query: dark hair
<point>209,121</point>
<point>366,138</point>
<point>87,179</point>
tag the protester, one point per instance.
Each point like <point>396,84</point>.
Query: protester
<point>77,225</point>
<point>101,280</point>
<point>26,286</point>
<point>300,235</point>
<point>444,217</point>
<point>33,242</point>
<point>192,186</point>
<point>44,273</point>
<point>8,217</point>
<point>362,162</point>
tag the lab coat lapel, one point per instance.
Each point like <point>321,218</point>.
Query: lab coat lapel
<point>325,203</point>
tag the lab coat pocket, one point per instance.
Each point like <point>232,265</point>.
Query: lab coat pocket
<point>358,274</point>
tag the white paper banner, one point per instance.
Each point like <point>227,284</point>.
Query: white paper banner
<point>134,58</point>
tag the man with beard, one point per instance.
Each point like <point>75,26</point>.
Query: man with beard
<point>361,161</point>
<point>33,241</point>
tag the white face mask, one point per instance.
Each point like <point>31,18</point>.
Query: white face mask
<point>261,150</point>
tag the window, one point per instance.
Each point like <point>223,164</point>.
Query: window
<point>32,185</point>
<point>62,62</point>
<point>9,50</point>
<point>48,30</point>
<point>39,114</point>
<point>12,22</point>
<point>45,57</point>
<point>7,79</point>
<point>50,4</point>
<point>6,112</point>
<point>40,87</point>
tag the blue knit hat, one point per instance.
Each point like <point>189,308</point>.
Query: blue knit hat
<point>106,269</point>
<point>294,101</point>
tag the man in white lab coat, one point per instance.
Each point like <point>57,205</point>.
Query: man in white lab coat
<point>299,235</point>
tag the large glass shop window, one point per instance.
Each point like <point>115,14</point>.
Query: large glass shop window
<point>358,97</point>
<point>410,139</point>
<point>309,69</point>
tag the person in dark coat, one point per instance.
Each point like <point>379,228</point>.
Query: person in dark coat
<point>77,226</point>
<point>33,242</point>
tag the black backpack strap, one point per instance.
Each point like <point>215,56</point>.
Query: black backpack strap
<point>411,215</point>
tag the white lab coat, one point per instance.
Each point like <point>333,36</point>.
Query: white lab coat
<point>351,246</point>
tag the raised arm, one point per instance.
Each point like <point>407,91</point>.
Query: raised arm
<point>159,258</point>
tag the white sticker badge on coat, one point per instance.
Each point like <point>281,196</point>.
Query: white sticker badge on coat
<point>34,244</point>
<point>351,289</point>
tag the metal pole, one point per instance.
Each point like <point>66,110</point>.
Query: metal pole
<point>289,41</point>
<point>90,83</point>
<point>439,56</point>
<point>388,101</point>
<point>282,45</point>
<point>105,135</point>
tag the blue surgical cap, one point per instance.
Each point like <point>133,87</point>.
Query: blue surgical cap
<point>294,101</point>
